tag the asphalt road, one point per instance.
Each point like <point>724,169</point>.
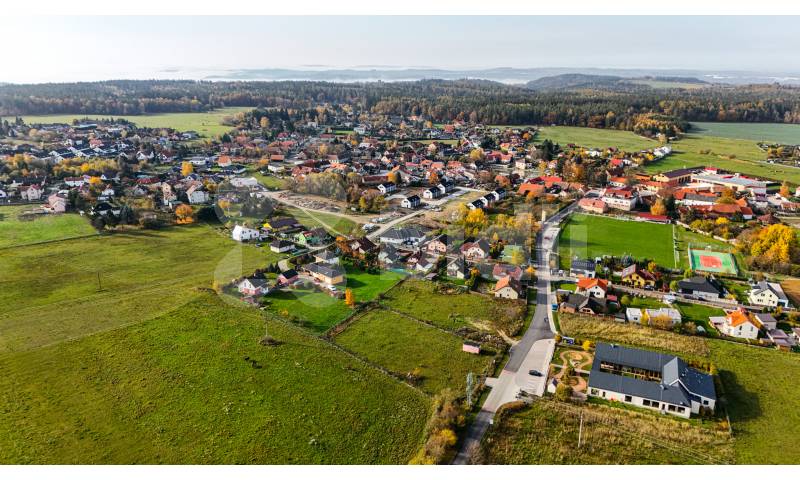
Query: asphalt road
<point>533,352</point>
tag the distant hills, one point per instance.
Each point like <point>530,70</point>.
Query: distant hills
<point>569,81</point>
<point>506,75</point>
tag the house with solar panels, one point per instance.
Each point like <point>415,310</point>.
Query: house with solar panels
<point>652,380</point>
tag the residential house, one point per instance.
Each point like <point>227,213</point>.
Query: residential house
<point>593,287</point>
<point>197,194</point>
<point>398,236</point>
<point>705,288</point>
<point>253,286</point>
<point>458,268</point>
<point>637,277</point>
<point>57,203</point>
<point>362,246</point>
<point>478,250</point>
<point>327,256</point>
<point>594,205</point>
<point>781,339</point>
<point>500,271</point>
<point>431,193</point>
<point>620,199</point>
<point>650,315</point>
<point>326,273</point>
<point>768,294</point>
<point>315,236</point>
<point>767,321</point>
<point>281,246</point>
<point>439,245</point>
<point>577,303</point>
<point>738,323</point>
<point>30,193</point>
<point>282,224</point>
<point>243,234</point>
<point>656,381</point>
<point>412,201</point>
<point>288,277</point>
<point>387,188</point>
<point>583,268</point>
<point>508,287</point>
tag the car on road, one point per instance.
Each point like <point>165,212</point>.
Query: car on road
<point>535,373</point>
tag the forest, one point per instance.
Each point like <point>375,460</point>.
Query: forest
<point>638,108</point>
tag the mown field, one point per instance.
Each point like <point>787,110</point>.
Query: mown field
<point>596,138</point>
<point>16,230</point>
<point>319,311</point>
<point>767,132</point>
<point>68,289</point>
<point>405,346</point>
<point>547,433</point>
<point>759,384</point>
<point>451,310</point>
<point>589,236</point>
<point>207,124</point>
<point>334,224</point>
<point>194,386</point>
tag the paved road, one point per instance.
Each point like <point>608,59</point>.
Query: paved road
<point>533,352</point>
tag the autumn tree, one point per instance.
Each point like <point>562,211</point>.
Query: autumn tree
<point>433,179</point>
<point>659,208</point>
<point>785,192</point>
<point>187,168</point>
<point>393,177</point>
<point>349,298</point>
<point>184,213</point>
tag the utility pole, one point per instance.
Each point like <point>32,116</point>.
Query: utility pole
<point>580,431</point>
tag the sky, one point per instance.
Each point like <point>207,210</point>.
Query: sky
<point>73,48</point>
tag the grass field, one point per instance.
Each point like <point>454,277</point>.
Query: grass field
<point>692,312</point>
<point>16,231</point>
<point>761,390</point>
<point>596,138</point>
<point>662,84</point>
<point>402,346</point>
<point>589,236</point>
<point>423,301</point>
<point>207,124</point>
<point>768,132</point>
<point>791,287</point>
<point>50,292</point>
<point>547,433</point>
<point>587,328</point>
<point>194,386</point>
<point>335,224</point>
<point>319,311</point>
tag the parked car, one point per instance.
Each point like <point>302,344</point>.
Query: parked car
<point>535,373</point>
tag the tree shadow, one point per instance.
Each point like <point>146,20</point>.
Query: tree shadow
<point>740,403</point>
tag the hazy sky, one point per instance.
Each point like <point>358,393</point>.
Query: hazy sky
<point>94,48</point>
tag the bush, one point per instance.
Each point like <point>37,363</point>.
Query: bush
<point>563,392</point>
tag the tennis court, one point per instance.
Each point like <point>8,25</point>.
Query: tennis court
<point>712,261</point>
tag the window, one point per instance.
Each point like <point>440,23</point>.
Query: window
<point>604,394</point>
<point>655,404</point>
<point>705,402</point>
<point>671,408</point>
<point>594,391</point>
<point>681,409</point>
<point>646,402</point>
<point>628,398</point>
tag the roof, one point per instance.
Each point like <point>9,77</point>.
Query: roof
<point>508,281</point>
<point>738,317</point>
<point>679,382</point>
<point>587,265</point>
<point>325,269</point>
<point>700,283</point>
<point>326,255</point>
<point>587,283</point>
<point>633,268</point>
<point>772,287</point>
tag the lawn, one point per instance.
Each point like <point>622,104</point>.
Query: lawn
<point>761,390</point>
<point>207,124</point>
<point>589,236</point>
<point>16,231</point>
<point>334,224</point>
<point>547,433</point>
<point>405,346</point>
<point>596,138</point>
<point>270,181</point>
<point>692,312</point>
<point>63,290</point>
<point>445,307</point>
<point>786,133</point>
<point>194,386</point>
<point>319,311</point>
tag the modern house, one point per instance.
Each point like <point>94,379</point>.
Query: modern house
<point>327,256</point>
<point>577,303</point>
<point>652,380</point>
<point>478,250</point>
<point>768,294</point>
<point>593,287</point>
<point>244,234</point>
<point>412,201</point>
<point>281,246</point>
<point>738,323</point>
<point>458,268</point>
<point>583,268</point>
<point>508,287</point>
<point>325,273</point>
<point>638,277</point>
<point>705,288</point>
<point>410,236</point>
<point>253,286</point>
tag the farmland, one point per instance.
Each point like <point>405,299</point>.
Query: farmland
<point>596,138</point>
<point>195,386</point>
<point>64,290</point>
<point>588,236</point>
<point>452,310</point>
<point>767,132</point>
<point>207,124</point>
<point>547,433</point>
<point>17,230</point>
<point>404,346</point>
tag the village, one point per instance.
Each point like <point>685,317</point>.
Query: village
<point>565,233</point>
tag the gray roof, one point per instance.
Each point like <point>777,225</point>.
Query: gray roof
<point>326,255</point>
<point>586,265</point>
<point>325,269</point>
<point>700,284</point>
<point>679,382</point>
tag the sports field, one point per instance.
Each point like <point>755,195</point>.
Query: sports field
<point>712,261</point>
<point>589,236</point>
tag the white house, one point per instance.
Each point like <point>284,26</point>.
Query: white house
<point>738,324</point>
<point>31,193</point>
<point>412,201</point>
<point>508,287</point>
<point>243,234</point>
<point>387,187</point>
<point>197,194</point>
<point>768,294</point>
<point>281,246</point>
<point>253,286</point>
<point>431,193</point>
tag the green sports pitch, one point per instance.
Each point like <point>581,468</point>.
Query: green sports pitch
<point>712,261</point>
